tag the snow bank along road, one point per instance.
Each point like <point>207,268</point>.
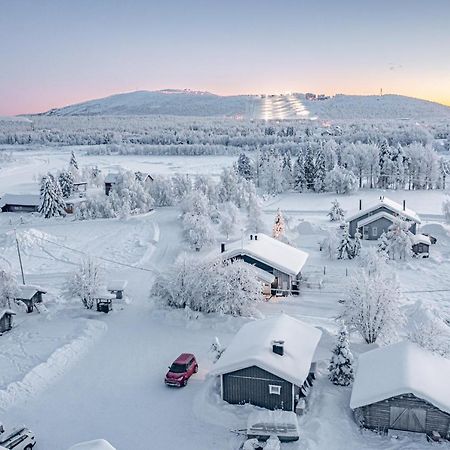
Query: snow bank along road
<point>116,391</point>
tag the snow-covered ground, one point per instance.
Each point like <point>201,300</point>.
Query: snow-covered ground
<point>72,375</point>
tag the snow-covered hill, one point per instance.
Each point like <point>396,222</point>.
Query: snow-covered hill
<point>167,102</point>
<point>375,107</point>
<point>290,106</point>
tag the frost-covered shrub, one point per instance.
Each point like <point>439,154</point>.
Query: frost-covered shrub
<point>341,365</point>
<point>8,288</point>
<point>85,282</point>
<point>341,181</point>
<point>336,213</point>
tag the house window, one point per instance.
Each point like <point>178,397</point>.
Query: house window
<point>274,389</point>
<point>374,231</point>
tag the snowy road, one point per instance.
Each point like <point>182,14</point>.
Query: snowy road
<point>116,391</point>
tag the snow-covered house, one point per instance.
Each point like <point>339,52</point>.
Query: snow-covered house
<point>20,203</point>
<point>6,320</point>
<point>277,263</point>
<point>421,245</point>
<point>376,219</point>
<point>269,363</point>
<point>110,180</point>
<point>117,287</point>
<point>143,176</point>
<point>30,295</point>
<point>402,387</point>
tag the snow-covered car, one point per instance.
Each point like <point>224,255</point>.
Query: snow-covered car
<point>19,439</point>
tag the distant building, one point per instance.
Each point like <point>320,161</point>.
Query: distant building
<point>117,287</point>
<point>110,181</point>
<point>20,203</point>
<point>277,263</point>
<point>269,363</point>
<point>6,320</point>
<point>30,295</point>
<point>80,186</point>
<point>402,387</point>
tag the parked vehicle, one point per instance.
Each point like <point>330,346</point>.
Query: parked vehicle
<point>19,439</point>
<point>181,370</point>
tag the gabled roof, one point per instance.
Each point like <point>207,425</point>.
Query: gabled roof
<point>403,368</point>
<point>112,178</point>
<point>116,285</point>
<point>252,346</point>
<point>420,239</point>
<point>374,217</point>
<point>388,204</point>
<point>276,254</point>
<point>6,311</point>
<point>26,292</point>
<point>20,200</point>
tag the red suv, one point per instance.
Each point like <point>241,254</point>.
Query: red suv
<point>181,370</point>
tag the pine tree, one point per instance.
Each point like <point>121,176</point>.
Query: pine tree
<point>345,249</point>
<point>244,167</point>
<point>341,364</point>
<point>66,182</point>
<point>383,244</point>
<point>336,213</point>
<point>299,179</point>
<point>319,172</point>
<point>52,201</point>
<point>278,226</point>
<point>73,164</point>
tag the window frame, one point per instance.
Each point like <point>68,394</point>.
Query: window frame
<point>274,389</point>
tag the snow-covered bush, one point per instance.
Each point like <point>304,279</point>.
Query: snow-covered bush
<point>279,226</point>
<point>255,222</point>
<point>398,240</point>
<point>341,181</point>
<point>346,248</point>
<point>8,288</point>
<point>371,302</point>
<point>161,190</point>
<point>446,209</point>
<point>341,365</point>
<point>228,217</point>
<point>216,349</point>
<point>226,287</point>
<point>330,243</point>
<point>85,282</point>
<point>336,213</point>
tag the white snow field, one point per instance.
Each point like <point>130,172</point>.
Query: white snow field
<point>71,375</point>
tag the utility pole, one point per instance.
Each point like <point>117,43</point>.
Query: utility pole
<point>20,257</point>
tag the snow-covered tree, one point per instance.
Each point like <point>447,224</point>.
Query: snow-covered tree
<point>383,245</point>
<point>8,288</point>
<point>341,364</point>
<point>371,303</point>
<point>336,213</point>
<point>255,223</point>
<point>244,167</point>
<point>85,282</point>
<point>446,209</point>
<point>66,183</point>
<point>330,244</point>
<point>160,190</point>
<point>398,238</point>
<point>345,248</point>
<point>73,166</point>
<point>278,226</point>
<point>357,244</point>
<point>228,217</point>
<point>341,181</point>
<point>52,201</point>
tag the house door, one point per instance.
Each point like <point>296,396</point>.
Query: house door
<point>407,419</point>
<point>365,232</point>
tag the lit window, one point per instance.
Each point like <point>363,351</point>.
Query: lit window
<point>273,389</point>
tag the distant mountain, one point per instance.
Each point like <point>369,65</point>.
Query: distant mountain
<point>293,106</point>
<point>166,102</point>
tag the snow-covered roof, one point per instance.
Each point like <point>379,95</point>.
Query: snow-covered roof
<point>98,444</point>
<point>27,291</point>
<point>102,294</point>
<point>403,368</point>
<point>6,311</point>
<point>375,217</point>
<point>420,239</point>
<point>263,275</point>
<point>111,178</point>
<point>20,200</point>
<point>116,285</point>
<point>79,183</point>
<point>389,204</point>
<point>252,346</point>
<point>270,251</point>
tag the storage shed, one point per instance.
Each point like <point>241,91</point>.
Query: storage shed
<point>269,363</point>
<point>402,387</point>
<point>421,245</point>
<point>20,203</point>
<point>117,287</point>
<point>30,295</point>
<point>6,320</point>
<point>282,262</point>
<point>110,180</point>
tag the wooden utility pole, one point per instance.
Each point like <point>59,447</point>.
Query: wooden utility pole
<point>20,257</point>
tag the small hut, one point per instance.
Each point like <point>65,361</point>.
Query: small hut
<point>6,320</point>
<point>117,287</point>
<point>104,301</point>
<point>30,295</point>
<point>403,387</point>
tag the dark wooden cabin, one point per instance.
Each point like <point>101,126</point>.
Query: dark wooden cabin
<point>411,391</point>
<point>20,203</point>
<point>6,320</point>
<point>269,363</point>
<point>30,295</point>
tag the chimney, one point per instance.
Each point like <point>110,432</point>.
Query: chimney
<point>256,237</point>
<point>251,237</point>
<point>360,204</point>
<point>404,205</point>
<point>278,347</point>
<point>222,247</point>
